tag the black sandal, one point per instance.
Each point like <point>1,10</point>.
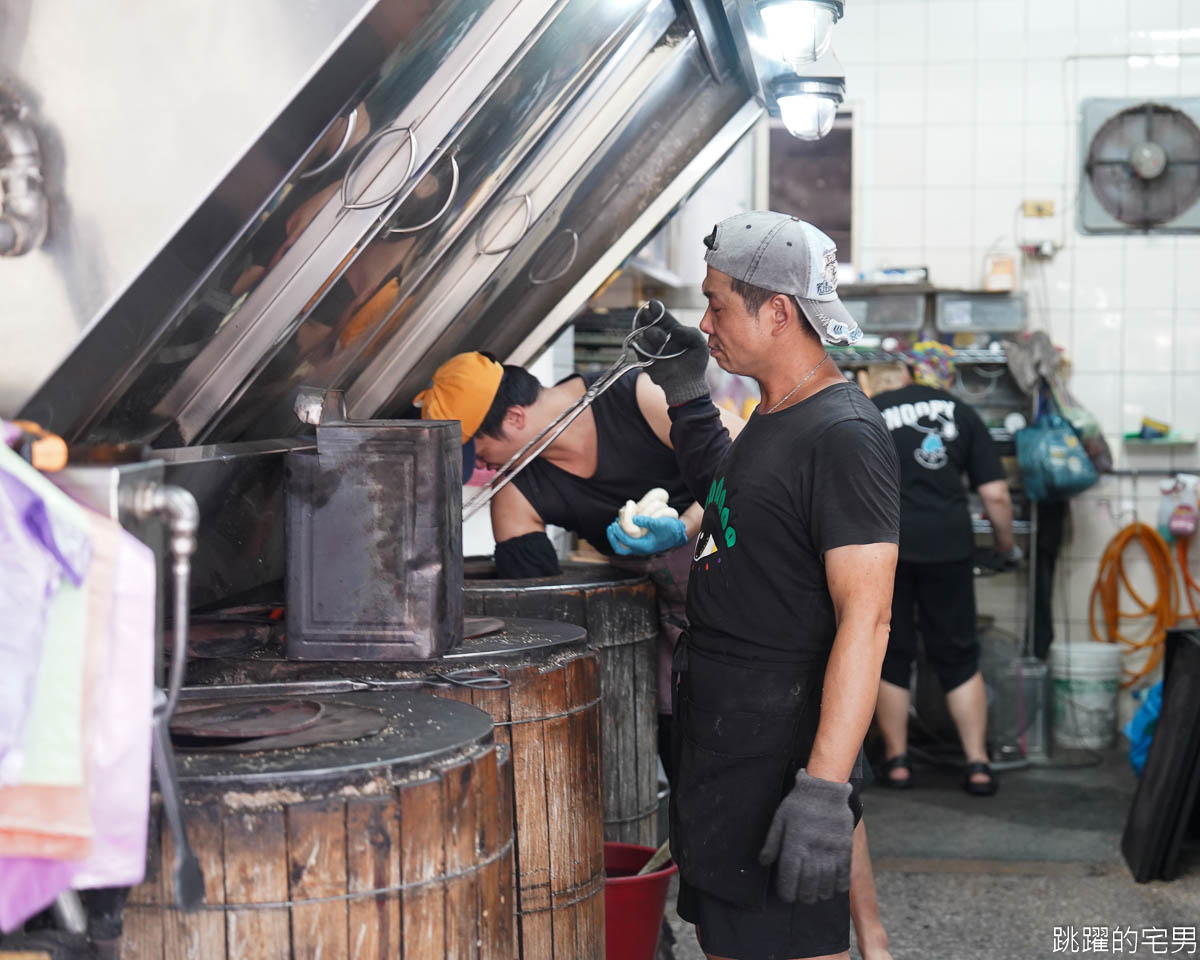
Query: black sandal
<point>898,762</point>
<point>987,789</point>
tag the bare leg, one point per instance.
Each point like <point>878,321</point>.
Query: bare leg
<point>968,706</point>
<point>891,712</point>
<point>864,902</point>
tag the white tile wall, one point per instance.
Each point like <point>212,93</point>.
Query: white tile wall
<point>973,107</point>
<point>902,98</point>
<point>1189,23</point>
<point>952,31</point>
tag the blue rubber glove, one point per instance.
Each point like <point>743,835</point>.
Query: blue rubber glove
<point>662,533</point>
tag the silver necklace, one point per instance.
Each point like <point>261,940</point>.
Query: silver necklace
<point>807,377</point>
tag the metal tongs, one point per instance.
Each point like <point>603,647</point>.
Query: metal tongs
<point>633,357</point>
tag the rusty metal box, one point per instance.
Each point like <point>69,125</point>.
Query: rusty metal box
<point>374,542</point>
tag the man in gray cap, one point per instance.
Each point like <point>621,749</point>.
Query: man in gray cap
<point>788,603</point>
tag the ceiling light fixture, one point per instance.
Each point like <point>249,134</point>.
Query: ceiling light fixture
<point>799,30</point>
<point>808,101</point>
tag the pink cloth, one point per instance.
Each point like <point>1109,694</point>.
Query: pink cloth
<point>103,838</point>
<point>121,714</point>
<point>28,885</point>
<point>43,539</point>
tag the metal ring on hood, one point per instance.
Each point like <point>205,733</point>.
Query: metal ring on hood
<point>445,206</point>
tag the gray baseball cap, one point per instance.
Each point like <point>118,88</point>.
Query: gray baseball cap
<point>785,255</point>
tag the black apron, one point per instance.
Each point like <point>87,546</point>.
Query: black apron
<point>742,730</point>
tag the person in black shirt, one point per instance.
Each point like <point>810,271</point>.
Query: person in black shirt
<point>788,602</point>
<point>616,450</point>
<point>938,438</point>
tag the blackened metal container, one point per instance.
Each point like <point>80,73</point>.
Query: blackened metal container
<point>374,542</point>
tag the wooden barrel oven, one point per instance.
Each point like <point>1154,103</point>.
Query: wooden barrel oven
<point>618,611</point>
<point>394,844</point>
<point>540,683</point>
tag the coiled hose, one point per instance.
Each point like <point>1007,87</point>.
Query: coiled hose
<point>1163,611</point>
<point>1190,588</point>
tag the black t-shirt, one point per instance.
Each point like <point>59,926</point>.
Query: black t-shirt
<point>630,459</point>
<point>938,438</point>
<point>795,484</point>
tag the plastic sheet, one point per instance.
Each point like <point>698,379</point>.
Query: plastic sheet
<point>43,539</point>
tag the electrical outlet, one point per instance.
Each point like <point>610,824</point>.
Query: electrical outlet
<point>1038,208</point>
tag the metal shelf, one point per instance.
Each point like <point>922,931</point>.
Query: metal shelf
<point>1020,527</point>
<point>853,357</point>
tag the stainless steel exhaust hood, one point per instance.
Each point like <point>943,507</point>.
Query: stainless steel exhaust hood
<point>450,175</point>
<point>500,151</point>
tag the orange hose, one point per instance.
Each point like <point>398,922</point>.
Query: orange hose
<point>1163,611</point>
<point>1190,588</point>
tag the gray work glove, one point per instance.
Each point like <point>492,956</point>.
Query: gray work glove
<point>682,377</point>
<point>811,836</point>
<point>1012,559</point>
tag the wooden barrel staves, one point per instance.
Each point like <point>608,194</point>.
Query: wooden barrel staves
<point>540,682</point>
<point>619,612</point>
<point>397,843</point>
<point>549,716</point>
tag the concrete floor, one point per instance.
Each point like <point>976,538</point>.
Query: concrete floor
<point>964,878</point>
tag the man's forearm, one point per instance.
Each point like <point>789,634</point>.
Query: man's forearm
<point>692,517</point>
<point>1000,514</point>
<point>848,700</point>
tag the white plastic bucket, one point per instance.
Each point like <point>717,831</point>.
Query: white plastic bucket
<point>1086,679</point>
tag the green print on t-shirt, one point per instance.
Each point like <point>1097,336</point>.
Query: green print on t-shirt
<point>716,496</point>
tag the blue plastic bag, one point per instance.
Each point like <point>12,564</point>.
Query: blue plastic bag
<point>1140,730</point>
<point>1053,462</point>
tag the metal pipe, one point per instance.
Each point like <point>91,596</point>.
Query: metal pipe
<point>69,913</point>
<point>24,213</point>
<point>177,507</point>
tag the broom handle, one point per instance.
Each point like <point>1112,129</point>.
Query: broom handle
<point>661,856</point>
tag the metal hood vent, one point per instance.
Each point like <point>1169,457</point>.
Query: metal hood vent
<point>473,195</point>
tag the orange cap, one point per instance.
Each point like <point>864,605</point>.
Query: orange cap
<point>463,389</point>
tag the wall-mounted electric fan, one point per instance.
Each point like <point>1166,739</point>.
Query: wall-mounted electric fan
<point>1140,166</point>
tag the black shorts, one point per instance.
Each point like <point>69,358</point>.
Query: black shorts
<point>940,598</point>
<point>777,930</point>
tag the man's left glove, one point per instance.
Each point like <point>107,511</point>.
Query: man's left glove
<point>682,377</point>
<point>811,836</point>
<point>662,533</point>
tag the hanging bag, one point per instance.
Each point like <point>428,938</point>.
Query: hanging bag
<point>1053,461</point>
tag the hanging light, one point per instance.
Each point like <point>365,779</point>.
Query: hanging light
<point>799,30</point>
<point>808,101</point>
<point>808,116</point>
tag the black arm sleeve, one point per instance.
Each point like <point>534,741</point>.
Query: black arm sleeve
<point>983,460</point>
<point>700,441</point>
<point>529,555</point>
<point>855,490</point>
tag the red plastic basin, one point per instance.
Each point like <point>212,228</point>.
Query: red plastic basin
<point>633,906</point>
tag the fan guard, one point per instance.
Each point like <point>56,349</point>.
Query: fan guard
<point>1144,165</point>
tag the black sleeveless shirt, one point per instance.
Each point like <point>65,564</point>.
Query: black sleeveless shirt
<point>630,459</point>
